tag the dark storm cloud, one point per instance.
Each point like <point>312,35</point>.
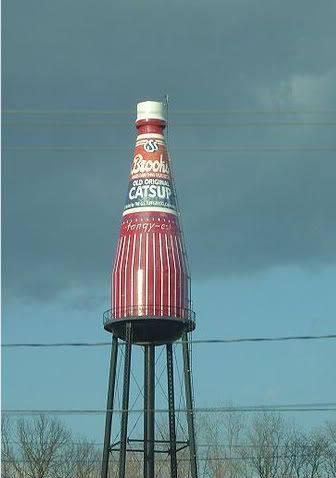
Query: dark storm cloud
<point>242,213</point>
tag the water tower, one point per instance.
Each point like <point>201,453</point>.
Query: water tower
<point>150,296</point>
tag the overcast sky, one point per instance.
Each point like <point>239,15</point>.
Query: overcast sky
<point>253,220</point>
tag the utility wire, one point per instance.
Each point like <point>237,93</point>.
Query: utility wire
<point>204,341</point>
<point>194,149</point>
<point>305,407</point>
<point>163,460</point>
<point>108,124</point>
<point>13,111</point>
<point>199,445</point>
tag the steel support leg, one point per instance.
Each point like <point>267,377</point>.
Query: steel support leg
<point>189,404</point>
<point>125,402</point>
<point>109,406</point>
<point>149,405</point>
<point>171,405</point>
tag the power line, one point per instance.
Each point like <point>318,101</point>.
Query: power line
<point>160,460</point>
<point>14,111</point>
<point>201,341</point>
<point>194,149</point>
<point>108,124</point>
<point>305,407</point>
<point>199,445</point>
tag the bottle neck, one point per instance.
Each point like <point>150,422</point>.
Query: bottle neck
<point>150,126</point>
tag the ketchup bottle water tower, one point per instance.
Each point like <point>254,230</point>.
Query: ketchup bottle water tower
<point>150,296</point>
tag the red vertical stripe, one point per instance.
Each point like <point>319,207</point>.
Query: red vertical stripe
<point>141,276</point>
<point>167,285</point>
<point>120,279</point>
<point>175,311</point>
<point>132,275</point>
<point>154,274</point>
<point>178,275</point>
<point>127,274</point>
<point>185,276</point>
<point>147,276</point>
<point>114,276</point>
<point>161,277</point>
<point>158,269</point>
<point>151,275</point>
<point>171,299</point>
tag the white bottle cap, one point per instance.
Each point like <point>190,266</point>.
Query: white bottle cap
<point>150,110</point>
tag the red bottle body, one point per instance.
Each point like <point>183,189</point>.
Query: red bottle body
<point>150,276</point>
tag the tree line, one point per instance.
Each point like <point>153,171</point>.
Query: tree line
<point>266,446</point>
<point>230,445</point>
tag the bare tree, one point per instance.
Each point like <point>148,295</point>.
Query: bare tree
<point>86,459</point>
<point>66,467</point>
<point>316,453</point>
<point>41,443</point>
<point>296,453</point>
<point>233,428</point>
<point>9,466</point>
<point>307,454</point>
<point>211,432</point>
<point>330,459</point>
<point>223,436</point>
<point>266,439</point>
<point>43,448</point>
